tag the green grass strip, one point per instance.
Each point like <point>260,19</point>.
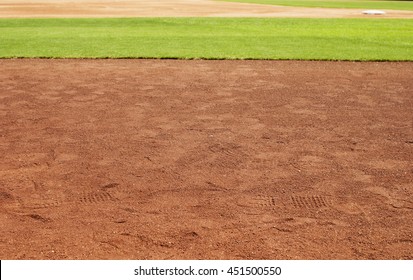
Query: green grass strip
<point>209,38</point>
<point>349,4</point>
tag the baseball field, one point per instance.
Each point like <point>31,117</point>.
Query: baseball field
<point>200,129</point>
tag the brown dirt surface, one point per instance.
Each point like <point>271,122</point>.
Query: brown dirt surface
<point>167,159</point>
<point>171,8</point>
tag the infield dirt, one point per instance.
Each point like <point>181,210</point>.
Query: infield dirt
<point>164,159</point>
<point>172,8</point>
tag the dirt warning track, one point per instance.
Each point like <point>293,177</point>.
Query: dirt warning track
<point>164,159</point>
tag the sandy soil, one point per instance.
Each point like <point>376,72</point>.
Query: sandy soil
<point>164,159</point>
<point>170,8</point>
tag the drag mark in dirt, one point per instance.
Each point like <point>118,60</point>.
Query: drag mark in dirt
<point>39,218</point>
<point>8,202</point>
<point>109,186</point>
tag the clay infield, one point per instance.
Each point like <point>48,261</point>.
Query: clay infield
<point>166,159</point>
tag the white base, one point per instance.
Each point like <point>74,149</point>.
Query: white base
<point>374,12</point>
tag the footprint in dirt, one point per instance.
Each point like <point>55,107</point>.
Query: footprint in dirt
<point>96,197</point>
<point>394,200</point>
<point>53,199</point>
<point>310,201</point>
<point>260,203</point>
<point>226,155</point>
<point>273,203</point>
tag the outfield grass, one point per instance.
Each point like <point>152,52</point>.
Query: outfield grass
<point>351,4</point>
<point>209,38</point>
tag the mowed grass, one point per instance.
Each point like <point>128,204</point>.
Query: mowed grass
<point>350,4</point>
<point>209,38</point>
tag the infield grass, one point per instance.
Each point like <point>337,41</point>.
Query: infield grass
<point>350,4</point>
<point>209,38</point>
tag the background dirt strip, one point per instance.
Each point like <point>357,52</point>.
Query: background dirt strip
<point>171,8</point>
